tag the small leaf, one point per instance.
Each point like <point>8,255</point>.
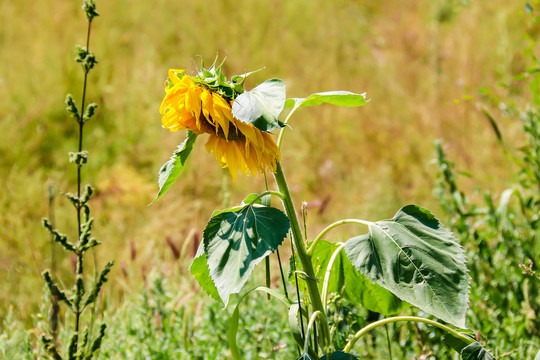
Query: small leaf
<point>476,351</point>
<point>199,270</point>
<point>236,241</point>
<point>262,105</point>
<point>417,259</point>
<point>458,343</point>
<point>102,279</point>
<point>339,355</point>
<point>294,324</point>
<point>170,171</point>
<point>493,124</point>
<point>340,98</point>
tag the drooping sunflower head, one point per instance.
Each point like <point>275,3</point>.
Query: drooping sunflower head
<point>204,104</point>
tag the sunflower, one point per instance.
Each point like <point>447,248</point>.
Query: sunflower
<point>204,105</point>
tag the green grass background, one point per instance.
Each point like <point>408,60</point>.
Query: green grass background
<point>421,63</point>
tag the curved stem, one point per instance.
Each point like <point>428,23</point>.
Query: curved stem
<point>310,326</point>
<point>280,137</point>
<point>334,225</point>
<point>267,192</point>
<point>327,274</point>
<point>303,257</point>
<point>372,326</point>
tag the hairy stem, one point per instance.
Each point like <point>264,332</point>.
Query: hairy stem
<point>303,257</point>
<point>80,254</point>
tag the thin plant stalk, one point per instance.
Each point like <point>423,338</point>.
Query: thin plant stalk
<point>79,254</point>
<point>391,320</point>
<point>279,258</point>
<point>332,226</point>
<point>55,306</point>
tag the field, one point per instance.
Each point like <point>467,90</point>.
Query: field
<point>431,69</point>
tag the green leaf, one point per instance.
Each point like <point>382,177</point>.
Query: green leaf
<point>476,351</point>
<point>294,324</point>
<point>340,98</point>
<point>339,355</point>
<point>262,105</point>
<point>458,343</point>
<point>417,259</point>
<point>537,357</point>
<point>170,171</point>
<point>236,241</point>
<point>199,270</point>
<point>493,124</point>
<point>355,287</point>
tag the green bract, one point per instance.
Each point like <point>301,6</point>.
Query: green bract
<point>215,80</point>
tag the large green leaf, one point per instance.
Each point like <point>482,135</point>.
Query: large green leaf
<point>171,169</point>
<point>476,351</point>
<point>236,241</point>
<point>262,105</point>
<point>340,98</point>
<point>200,271</point>
<point>355,287</point>
<point>417,259</point>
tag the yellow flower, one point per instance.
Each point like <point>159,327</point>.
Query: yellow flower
<point>237,145</point>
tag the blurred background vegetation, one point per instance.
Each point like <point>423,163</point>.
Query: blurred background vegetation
<point>423,64</point>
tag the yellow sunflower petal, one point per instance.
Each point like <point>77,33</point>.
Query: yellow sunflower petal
<point>173,75</point>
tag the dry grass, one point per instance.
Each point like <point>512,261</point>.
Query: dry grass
<point>414,58</point>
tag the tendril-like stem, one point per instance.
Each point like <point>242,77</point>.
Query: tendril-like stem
<point>386,321</point>
<point>332,226</point>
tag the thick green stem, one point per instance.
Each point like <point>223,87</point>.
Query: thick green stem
<point>382,322</point>
<point>303,257</point>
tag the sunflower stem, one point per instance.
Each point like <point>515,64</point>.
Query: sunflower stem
<point>303,257</point>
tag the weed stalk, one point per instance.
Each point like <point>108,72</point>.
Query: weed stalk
<point>82,344</point>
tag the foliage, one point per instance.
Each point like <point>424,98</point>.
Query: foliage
<point>500,235</point>
<point>158,322</point>
<point>501,240</point>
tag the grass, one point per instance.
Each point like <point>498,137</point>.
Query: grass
<point>414,59</point>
